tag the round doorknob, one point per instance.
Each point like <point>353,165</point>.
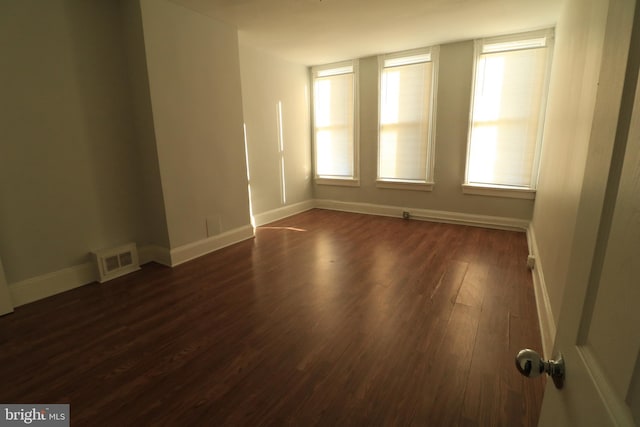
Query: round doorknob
<point>530,364</point>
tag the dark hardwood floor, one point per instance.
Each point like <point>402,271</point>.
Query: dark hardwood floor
<point>325,318</point>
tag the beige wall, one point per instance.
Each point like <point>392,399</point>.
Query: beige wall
<point>194,78</point>
<point>121,122</point>
<point>69,181</point>
<point>572,99</point>
<point>453,103</point>
<point>155,220</point>
<point>267,81</point>
<point>6,303</point>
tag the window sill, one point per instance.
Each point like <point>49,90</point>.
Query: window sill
<point>342,182</point>
<point>405,185</point>
<point>499,191</point>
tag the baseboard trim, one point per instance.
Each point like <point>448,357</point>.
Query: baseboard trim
<point>63,280</point>
<point>194,250</point>
<point>502,223</point>
<point>154,253</point>
<point>46,285</point>
<point>283,212</point>
<point>543,305</point>
<point>37,288</point>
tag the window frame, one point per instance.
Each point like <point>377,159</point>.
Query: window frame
<point>354,180</point>
<point>403,184</point>
<point>499,190</point>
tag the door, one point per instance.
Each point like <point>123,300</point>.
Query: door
<point>599,325</point>
<point>6,306</point>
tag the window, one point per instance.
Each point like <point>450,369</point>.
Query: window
<point>407,104</point>
<point>335,129</point>
<point>509,96</point>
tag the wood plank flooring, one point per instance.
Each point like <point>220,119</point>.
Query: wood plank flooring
<point>325,318</point>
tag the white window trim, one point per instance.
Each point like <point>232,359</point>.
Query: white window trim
<point>547,33</point>
<point>428,183</point>
<point>399,184</point>
<point>500,190</point>
<point>341,182</point>
<point>353,181</point>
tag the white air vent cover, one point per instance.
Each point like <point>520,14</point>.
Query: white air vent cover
<point>116,262</point>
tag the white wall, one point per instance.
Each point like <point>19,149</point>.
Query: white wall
<point>194,78</point>
<point>155,220</point>
<point>69,181</point>
<point>268,81</point>
<point>453,103</point>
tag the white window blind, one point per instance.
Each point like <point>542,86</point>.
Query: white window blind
<point>507,110</point>
<point>406,105</point>
<point>334,121</point>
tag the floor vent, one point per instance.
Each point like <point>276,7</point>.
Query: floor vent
<point>116,262</point>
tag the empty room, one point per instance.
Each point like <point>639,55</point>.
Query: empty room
<point>320,212</point>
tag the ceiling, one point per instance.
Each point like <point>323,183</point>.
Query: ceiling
<point>315,32</point>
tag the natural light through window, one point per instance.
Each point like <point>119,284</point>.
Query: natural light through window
<point>510,85</point>
<point>407,87</point>
<point>334,121</point>
<point>486,111</point>
<point>283,185</point>
<point>388,117</point>
<point>246,158</point>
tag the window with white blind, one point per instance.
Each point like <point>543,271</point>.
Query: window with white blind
<point>334,121</point>
<point>407,104</point>
<point>507,112</point>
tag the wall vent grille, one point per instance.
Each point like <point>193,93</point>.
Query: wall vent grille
<point>116,262</point>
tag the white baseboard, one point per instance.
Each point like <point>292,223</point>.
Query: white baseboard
<point>545,314</point>
<point>283,212</point>
<point>154,253</point>
<point>361,208</point>
<point>49,284</point>
<point>486,221</point>
<point>46,285</point>
<point>194,250</point>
